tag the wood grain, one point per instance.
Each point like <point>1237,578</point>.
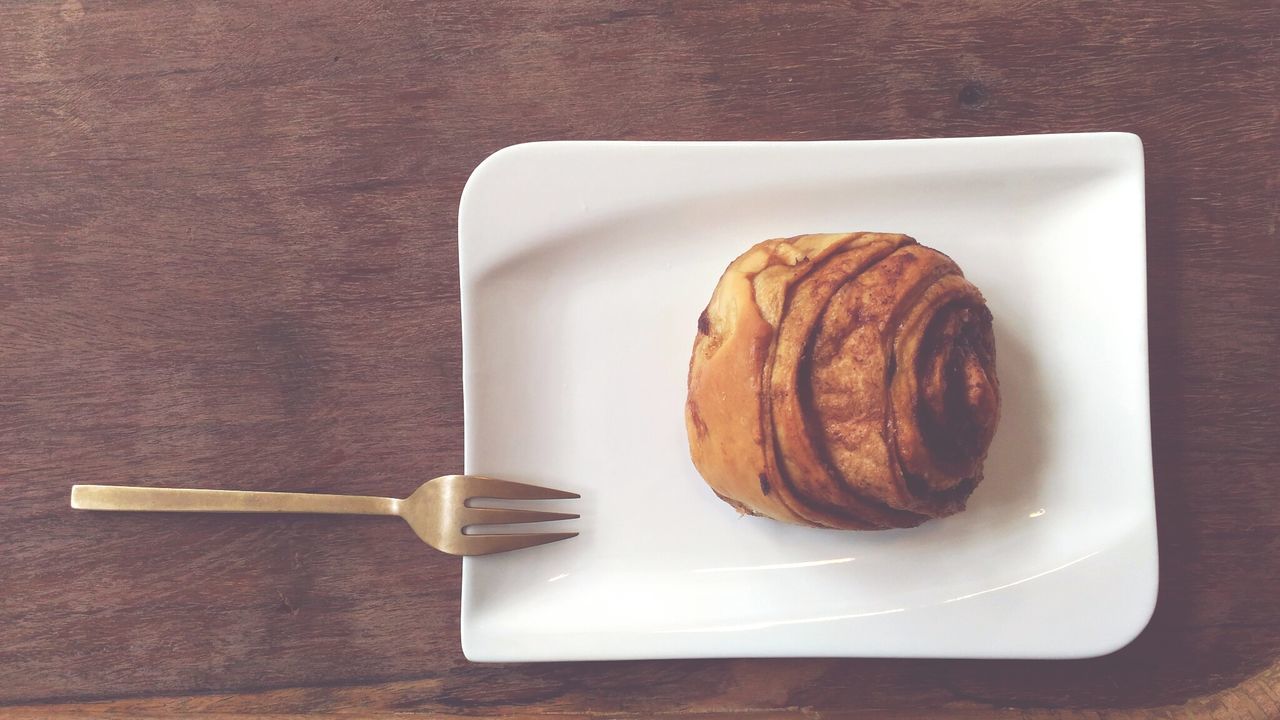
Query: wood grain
<point>1257,698</point>
<point>228,259</point>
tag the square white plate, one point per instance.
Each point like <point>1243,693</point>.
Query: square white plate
<point>584,268</point>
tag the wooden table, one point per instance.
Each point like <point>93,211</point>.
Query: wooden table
<point>227,259</point>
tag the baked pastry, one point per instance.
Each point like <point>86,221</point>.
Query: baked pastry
<point>843,381</point>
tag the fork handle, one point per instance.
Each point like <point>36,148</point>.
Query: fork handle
<point>146,499</point>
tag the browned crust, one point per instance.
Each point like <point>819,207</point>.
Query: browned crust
<point>800,405</point>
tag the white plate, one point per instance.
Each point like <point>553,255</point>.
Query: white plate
<point>584,268</point>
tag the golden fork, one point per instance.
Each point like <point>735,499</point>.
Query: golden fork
<point>438,510</point>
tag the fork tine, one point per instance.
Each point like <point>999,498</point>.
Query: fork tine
<point>486,544</point>
<point>477,486</point>
<point>505,516</point>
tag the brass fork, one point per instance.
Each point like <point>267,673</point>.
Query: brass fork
<point>439,511</point>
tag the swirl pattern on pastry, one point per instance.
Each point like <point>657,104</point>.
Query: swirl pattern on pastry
<point>844,381</point>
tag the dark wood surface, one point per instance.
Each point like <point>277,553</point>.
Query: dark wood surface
<point>228,259</point>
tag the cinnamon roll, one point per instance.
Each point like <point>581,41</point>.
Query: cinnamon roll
<point>843,381</point>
